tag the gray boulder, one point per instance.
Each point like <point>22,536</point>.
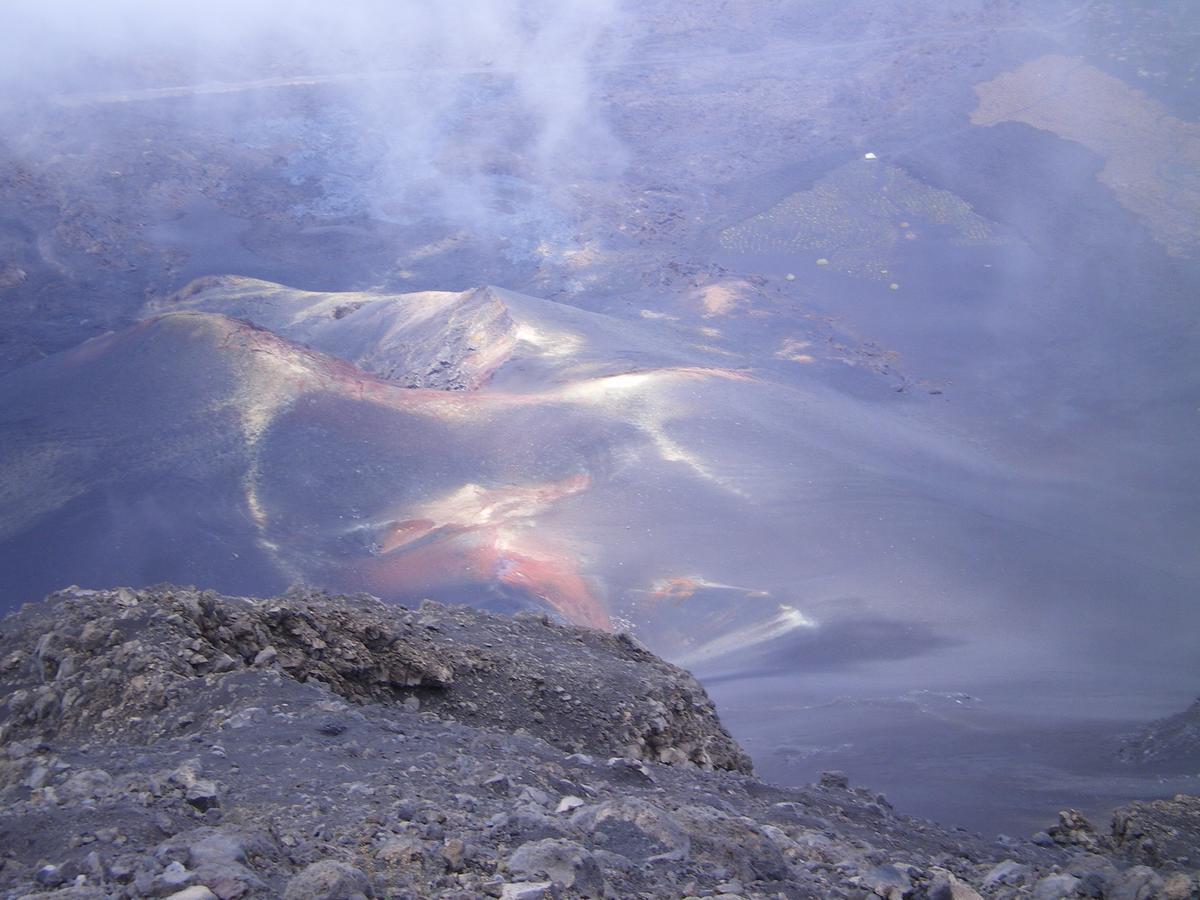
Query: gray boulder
<point>329,880</point>
<point>563,862</point>
<point>635,829</point>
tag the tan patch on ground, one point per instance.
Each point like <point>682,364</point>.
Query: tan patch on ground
<point>1152,159</point>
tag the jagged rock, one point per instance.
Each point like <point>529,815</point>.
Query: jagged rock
<point>500,784</point>
<point>565,863</point>
<point>835,781</point>
<point>1096,873</point>
<point>946,886</point>
<point>635,829</point>
<point>1159,830</point>
<point>365,651</point>
<point>886,881</point>
<point>219,856</point>
<point>86,784</point>
<point>329,880</point>
<point>1074,830</point>
<point>738,845</point>
<point>202,794</point>
<point>454,853</point>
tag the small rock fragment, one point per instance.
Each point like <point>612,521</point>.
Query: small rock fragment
<point>195,892</point>
<point>265,656</point>
<point>202,794</point>
<point>568,803</point>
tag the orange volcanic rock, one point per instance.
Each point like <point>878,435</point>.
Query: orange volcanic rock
<point>678,589</point>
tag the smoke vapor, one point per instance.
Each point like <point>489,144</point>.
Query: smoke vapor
<point>466,110</point>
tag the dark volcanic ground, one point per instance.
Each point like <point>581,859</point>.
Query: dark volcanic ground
<point>941,535</point>
<point>177,743</point>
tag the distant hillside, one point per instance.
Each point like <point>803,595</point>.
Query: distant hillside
<point>1174,740</point>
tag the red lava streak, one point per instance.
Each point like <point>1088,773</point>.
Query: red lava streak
<point>557,581</point>
<point>478,534</point>
<point>677,589</point>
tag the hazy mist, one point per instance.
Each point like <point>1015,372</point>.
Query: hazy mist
<point>419,84</point>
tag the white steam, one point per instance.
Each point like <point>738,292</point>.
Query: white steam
<point>470,107</point>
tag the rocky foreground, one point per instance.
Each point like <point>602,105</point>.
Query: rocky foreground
<point>176,743</point>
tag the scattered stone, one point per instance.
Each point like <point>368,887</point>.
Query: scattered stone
<point>1009,872</point>
<point>1074,830</point>
<point>536,890</point>
<point>946,886</point>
